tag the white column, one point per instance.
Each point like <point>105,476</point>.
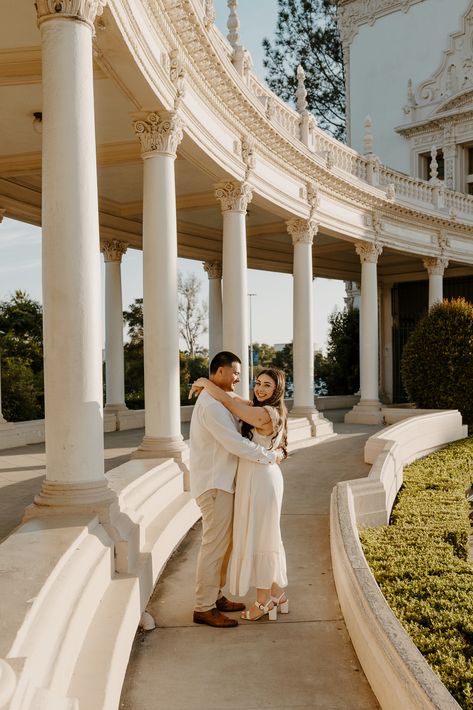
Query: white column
<point>234,198</point>
<point>159,136</point>
<point>71,262</point>
<point>113,250</point>
<point>387,341</point>
<point>2,418</point>
<point>435,267</point>
<point>302,233</point>
<point>214,272</point>
<point>368,410</point>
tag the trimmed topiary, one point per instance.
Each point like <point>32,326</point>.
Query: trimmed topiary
<point>437,361</point>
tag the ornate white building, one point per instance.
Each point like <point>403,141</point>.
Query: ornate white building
<point>135,124</point>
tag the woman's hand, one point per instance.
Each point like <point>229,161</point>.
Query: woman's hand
<point>197,386</point>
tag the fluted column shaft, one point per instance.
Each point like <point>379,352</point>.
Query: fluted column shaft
<point>114,358</point>
<point>71,252</point>
<point>435,267</point>
<point>159,136</point>
<point>302,233</point>
<point>214,272</point>
<point>368,410</point>
<point>234,198</point>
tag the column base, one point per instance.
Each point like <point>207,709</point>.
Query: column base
<point>114,408</point>
<point>367,411</point>
<point>321,428</point>
<point>94,499</point>
<point>154,447</point>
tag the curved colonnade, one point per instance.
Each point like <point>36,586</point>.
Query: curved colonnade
<point>317,208</point>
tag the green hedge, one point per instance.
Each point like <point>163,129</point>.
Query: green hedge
<point>421,563</point>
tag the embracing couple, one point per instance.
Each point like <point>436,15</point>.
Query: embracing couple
<point>235,447</point>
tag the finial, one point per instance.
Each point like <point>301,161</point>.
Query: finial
<point>301,92</point>
<point>233,24</point>
<point>368,136</point>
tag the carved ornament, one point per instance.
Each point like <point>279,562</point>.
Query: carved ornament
<point>435,265</point>
<point>113,250</point>
<point>302,231</point>
<point>209,14</point>
<point>82,10</point>
<point>234,196</point>
<point>213,269</point>
<point>368,251</point>
<point>248,154</point>
<point>159,134</point>
<point>354,13</point>
<point>177,75</point>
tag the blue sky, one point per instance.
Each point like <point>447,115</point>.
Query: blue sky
<point>20,244</point>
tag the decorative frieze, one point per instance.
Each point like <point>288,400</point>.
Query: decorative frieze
<point>302,231</point>
<point>354,13</point>
<point>213,269</point>
<point>159,134</point>
<point>435,265</point>
<point>83,10</point>
<point>234,196</point>
<point>368,251</point>
<point>209,14</point>
<point>113,249</point>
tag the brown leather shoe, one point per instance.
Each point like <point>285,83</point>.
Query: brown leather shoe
<point>214,618</point>
<point>224,604</point>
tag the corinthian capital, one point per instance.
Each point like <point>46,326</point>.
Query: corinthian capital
<point>213,269</point>
<point>435,265</point>
<point>159,133</point>
<point>234,196</point>
<point>368,251</point>
<point>82,10</point>
<point>113,250</point>
<point>302,231</point>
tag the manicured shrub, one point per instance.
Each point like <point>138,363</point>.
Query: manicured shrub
<point>421,563</point>
<point>437,360</point>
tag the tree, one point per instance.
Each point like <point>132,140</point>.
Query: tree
<point>342,364</point>
<point>134,320</point>
<point>192,314</point>
<point>21,326</point>
<point>437,360</point>
<point>266,354</point>
<point>307,34</point>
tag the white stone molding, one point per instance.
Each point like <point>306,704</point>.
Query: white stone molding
<point>82,10</point>
<point>234,196</point>
<point>113,249</point>
<point>209,14</point>
<point>368,252</point>
<point>213,269</point>
<point>159,133</point>
<point>354,13</point>
<point>435,265</point>
<point>302,230</point>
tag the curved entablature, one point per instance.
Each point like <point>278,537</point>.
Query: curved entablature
<point>191,71</point>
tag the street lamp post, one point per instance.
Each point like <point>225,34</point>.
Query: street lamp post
<point>250,295</point>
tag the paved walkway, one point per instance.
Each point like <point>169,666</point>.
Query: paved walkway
<point>304,660</point>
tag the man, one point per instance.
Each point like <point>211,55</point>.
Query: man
<point>215,447</point>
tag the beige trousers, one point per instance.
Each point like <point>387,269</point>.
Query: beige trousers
<point>217,521</point>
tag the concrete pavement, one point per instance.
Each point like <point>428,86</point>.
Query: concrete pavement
<point>305,659</point>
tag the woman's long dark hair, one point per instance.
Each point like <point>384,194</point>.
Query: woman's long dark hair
<point>276,400</point>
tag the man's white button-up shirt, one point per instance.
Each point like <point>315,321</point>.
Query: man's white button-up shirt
<point>216,445</point>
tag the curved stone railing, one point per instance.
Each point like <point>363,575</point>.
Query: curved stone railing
<point>396,670</point>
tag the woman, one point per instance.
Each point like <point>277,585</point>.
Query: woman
<point>258,558</point>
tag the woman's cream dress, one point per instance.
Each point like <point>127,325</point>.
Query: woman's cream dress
<point>258,558</point>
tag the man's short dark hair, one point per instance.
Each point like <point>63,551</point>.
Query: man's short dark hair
<point>223,359</point>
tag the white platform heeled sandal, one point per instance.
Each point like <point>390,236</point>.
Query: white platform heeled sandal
<point>283,607</point>
<point>270,608</point>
